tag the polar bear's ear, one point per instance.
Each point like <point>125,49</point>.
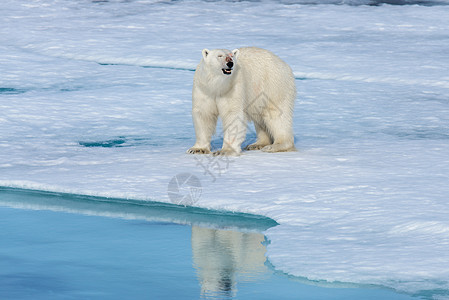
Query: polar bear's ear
<point>205,53</point>
<point>235,52</point>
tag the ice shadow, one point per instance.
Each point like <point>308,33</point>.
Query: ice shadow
<point>133,209</point>
<point>11,91</point>
<point>128,141</point>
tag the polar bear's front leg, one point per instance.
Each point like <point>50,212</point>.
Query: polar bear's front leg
<point>204,124</point>
<point>234,127</point>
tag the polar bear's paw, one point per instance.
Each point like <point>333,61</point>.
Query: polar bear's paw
<point>255,146</point>
<point>194,150</point>
<point>225,152</point>
<point>279,148</point>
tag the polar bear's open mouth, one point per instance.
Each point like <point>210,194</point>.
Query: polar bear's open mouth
<point>227,71</point>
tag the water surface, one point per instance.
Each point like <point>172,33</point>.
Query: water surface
<point>61,246</point>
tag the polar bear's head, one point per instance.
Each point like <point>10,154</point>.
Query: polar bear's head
<point>221,61</point>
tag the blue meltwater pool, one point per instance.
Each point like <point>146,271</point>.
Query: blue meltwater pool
<point>61,246</point>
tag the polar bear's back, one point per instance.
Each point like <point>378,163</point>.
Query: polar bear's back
<point>267,75</point>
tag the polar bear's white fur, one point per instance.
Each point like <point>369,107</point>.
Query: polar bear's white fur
<point>246,84</point>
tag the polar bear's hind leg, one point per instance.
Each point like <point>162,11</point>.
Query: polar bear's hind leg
<point>282,132</point>
<point>263,138</point>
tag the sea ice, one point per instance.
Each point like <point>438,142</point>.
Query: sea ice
<point>95,99</point>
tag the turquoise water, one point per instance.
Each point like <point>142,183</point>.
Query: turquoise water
<point>59,246</point>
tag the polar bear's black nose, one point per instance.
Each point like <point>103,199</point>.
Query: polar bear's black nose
<point>230,64</point>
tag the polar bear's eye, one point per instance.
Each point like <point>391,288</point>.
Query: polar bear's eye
<point>220,55</point>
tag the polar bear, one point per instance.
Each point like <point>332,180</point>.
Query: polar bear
<point>246,84</point>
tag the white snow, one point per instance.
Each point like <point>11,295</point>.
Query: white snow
<point>364,200</point>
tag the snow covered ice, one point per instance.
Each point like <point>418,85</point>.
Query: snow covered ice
<point>95,99</point>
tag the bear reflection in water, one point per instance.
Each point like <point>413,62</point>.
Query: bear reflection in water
<point>223,257</point>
